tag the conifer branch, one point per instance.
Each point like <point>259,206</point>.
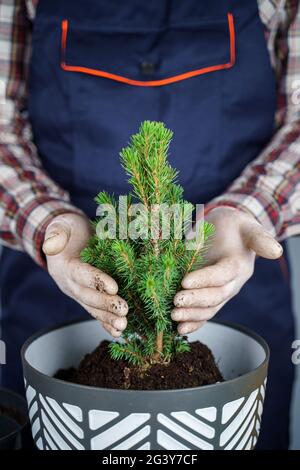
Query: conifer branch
<point>148,271</point>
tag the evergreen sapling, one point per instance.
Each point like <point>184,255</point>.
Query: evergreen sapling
<point>149,267</point>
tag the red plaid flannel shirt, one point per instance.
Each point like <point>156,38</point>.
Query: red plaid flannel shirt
<point>268,188</point>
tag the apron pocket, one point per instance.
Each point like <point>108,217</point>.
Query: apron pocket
<point>120,76</point>
<point>118,54</point>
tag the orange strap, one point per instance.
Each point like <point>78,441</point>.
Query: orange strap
<point>149,83</point>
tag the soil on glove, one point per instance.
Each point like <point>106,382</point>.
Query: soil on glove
<point>13,413</point>
<point>190,369</point>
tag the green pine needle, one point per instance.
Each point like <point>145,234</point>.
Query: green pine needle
<point>149,271</point>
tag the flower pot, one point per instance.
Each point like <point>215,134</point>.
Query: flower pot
<point>226,415</point>
<point>12,430</point>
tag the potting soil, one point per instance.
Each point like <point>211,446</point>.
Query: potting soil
<point>190,369</point>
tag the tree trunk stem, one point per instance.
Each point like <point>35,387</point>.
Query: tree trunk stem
<point>159,342</point>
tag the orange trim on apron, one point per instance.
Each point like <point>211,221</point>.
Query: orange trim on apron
<point>149,83</point>
<point>284,268</point>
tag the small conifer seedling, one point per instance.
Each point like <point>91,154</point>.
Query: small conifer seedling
<point>147,260</point>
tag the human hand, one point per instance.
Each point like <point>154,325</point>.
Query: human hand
<point>230,263</point>
<point>94,290</point>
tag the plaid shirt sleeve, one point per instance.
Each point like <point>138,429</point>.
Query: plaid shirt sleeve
<point>269,187</point>
<point>29,199</point>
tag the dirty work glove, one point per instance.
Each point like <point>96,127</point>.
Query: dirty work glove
<point>230,263</point>
<point>94,290</point>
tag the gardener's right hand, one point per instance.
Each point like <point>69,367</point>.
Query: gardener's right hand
<point>95,291</point>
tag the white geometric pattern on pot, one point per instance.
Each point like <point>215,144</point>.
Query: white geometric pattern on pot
<point>120,434</point>
<point>242,419</point>
<point>60,426</point>
<point>262,392</point>
<point>230,408</point>
<point>239,418</point>
<point>210,413</point>
<point>173,432</point>
<point>32,403</point>
<point>53,426</point>
<point>98,418</point>
<point>74,411</point>
<point>65,433</point>
<point>194,423</point>
<point>135,439</point>
<point>168,442</point>
<point>68,421</point>
<point>145,446</point>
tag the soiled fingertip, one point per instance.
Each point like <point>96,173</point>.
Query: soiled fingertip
<point>183,329</point>
<point>109,285</point>
<point>120,324</point>
<point>179,299</point>
<point>186,283</point>
<point>116,333</point>
<point>119,307</point>
<point>176,314</point>
<point>189,327</point>
<point>189,281</point>
<point>111,330</point>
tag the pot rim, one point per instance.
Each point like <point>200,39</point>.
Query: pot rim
<point>21,427</point>
<point>232,325</point>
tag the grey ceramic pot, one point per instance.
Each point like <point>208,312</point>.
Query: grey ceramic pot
<point>12,433</point>
<point>222,416</point>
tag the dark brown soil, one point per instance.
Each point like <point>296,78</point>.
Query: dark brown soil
<point>13,413</point>
<point>190,369</point>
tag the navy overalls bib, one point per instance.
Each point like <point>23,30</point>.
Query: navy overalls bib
<point>99,68</point>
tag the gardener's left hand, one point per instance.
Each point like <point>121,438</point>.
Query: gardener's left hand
<point>230,263</point>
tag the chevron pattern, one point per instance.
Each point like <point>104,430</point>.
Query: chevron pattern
<point>241,421</point>
<point>65,426</point>
<point>183,430</point>
<point>125,433</point>
<point>54,426</point>
<point>31,397</point>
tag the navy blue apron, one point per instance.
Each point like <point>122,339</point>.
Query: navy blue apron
<point>98,69</point>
